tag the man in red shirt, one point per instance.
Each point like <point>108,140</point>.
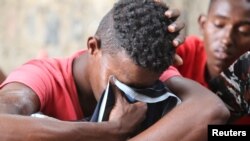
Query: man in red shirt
<point>132,44</point>
<point>226,36</point>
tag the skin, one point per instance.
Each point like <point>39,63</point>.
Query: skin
<point>2,76</point>
<point>91,72</point>
<point>187,121</point>
<point>226,32</point>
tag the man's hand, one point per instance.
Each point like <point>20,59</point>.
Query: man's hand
<point>126,115</point>
<point>176,26</point>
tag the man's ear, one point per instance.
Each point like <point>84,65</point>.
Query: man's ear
<point>93,44</point>
<point>202,22</point>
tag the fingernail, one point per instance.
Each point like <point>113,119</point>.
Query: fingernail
<point>168,13</point>
<point>171,28</point>
<point>176,42</point>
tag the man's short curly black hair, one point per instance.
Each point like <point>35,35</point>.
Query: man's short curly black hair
<point>140,28</point>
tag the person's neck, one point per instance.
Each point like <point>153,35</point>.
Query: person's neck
<point>208,74</point>
<point>81,78</point>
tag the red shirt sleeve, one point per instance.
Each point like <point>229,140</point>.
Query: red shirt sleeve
<point>170,72</point>
<point>37,80</point>
<point>52,81</point>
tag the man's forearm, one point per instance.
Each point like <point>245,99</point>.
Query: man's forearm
<point>188,121</point>
<point>25,128</point>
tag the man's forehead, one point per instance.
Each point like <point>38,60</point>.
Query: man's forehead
<point>231,9</point>
<point>229,5</point>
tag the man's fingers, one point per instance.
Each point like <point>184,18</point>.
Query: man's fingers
<point>142,107</point>
<point>173,13</point>
<point>177,60</point>
<point>176,26</point>
<point>179,39</point>
<point>159,1</point>
<point>118,95</point>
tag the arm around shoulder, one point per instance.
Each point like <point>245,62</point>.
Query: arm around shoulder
<point>205,100</point>
<point>188,121</point>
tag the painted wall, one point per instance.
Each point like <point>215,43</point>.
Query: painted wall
<point>56,28</point>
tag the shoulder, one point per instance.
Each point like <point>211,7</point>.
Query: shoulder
<point>169,73</point>
<point>192,46</point>
<point>22,95</point>
<point>191,43</point>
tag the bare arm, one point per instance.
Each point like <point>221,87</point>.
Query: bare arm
<point>17,100</point>
<point>25,128</point>
<point>189,120</point>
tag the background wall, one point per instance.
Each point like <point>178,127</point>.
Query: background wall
<point>30,28</point>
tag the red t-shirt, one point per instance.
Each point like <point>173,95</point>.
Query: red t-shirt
<point>170,72</point>
<point>194,57</point>
<point>53,82</point>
